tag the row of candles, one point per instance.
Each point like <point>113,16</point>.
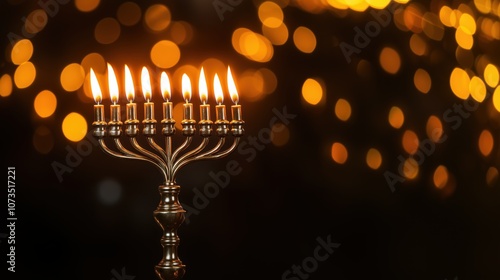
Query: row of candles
<point>131,110</point>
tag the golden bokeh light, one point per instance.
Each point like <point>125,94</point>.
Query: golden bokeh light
<point>459,83</point>
<point>422,80</point>
<point>25,75</point>
<point>377,4</point>
<point>252,83</point>
<point>410,168</point>
<point>72,77</point>
<point>343,109</point>
<point>159,54</point>
<point>43,140</point>
<point>157,17</point>
<point>280,134</point>
<point>312,91</point>
<point>390,60</point>
<point>304,39</point>
<point>434,128</point>
<point>95,61</point>
<point>492,176</point>
<point>491,76</point>
<point>485,142</point>
<point>440,177</point>
<point>445,14</point>
<point>483,6</point>
<point>74,127</point>
<point>5,85</point>
<point>270,14</point>
<point>36,21</point>
<point>252,45</point>
<point>463,38</point>
<point>45,104</point>
<point>278,36</point>
<point>129,13</point>
<point>178,115</point>
<point>87,5</point>
<point>410,142</point>
<point>467,23</point>
<point>432,26</point>
<point>181,32</point>
<point>496,98</point>
<point>373,159</point>
<point>107,31</point>
<point>396,117</point>
<point>477,89</point>
<point>21,52</point>
<point>339,153</point>
<point>418,45</point>
<point>270,80</point>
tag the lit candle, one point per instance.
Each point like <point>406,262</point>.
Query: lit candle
<point>203,91</point>
<point>186,92</point>
<point>130,92</point>
<point>220,109</point>
<point>233,92</point>
<point>113,92</point>
<point>165,91</point>
<point>96,92</point>
<point>146,90</point>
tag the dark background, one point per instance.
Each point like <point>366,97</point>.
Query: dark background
<point>270,215</point>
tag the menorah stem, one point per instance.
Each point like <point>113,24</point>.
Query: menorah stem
<point>169,215</point>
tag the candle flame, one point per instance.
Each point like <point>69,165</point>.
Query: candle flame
<point>146,84</point>
<point>165,87</point>
<point>129,85</point>
<point>202,87</point>
<point>96,89</point>
<point>186,87</point>
<point>219,94</point>
<point>233,92</point>
<point>113,84</point>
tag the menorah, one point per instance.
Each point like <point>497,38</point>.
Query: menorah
<point>169,214</point>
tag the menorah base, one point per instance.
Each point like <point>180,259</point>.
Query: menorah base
<point>170,272</point>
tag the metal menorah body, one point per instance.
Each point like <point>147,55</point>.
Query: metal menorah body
<point>169,214</point>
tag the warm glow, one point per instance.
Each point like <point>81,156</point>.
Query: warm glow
<point>96,89</point>
<point>304,39</point>
<point>203,87</point>
<point>410,142</point>
<point>440,177</point>
<point>86,5</point>
<point>113,84</point>
<point>233,92</point>
<point>157,17</point>
<point>25,75</point>
<point>165,87</point>
<point>396,117</point>
<point>390,60</point>
<point>219,95</point>
<point>373,159</point>
<point>434,128</point>
<point>343,109</point>
<point>21,52</point>
<point>270,14</point>
<point>72,77</point>
<point>339,153</point>
<point>146,84</point>
<point>129,85</point>
<point>107,31</point>
<point>161,48</point>
<point>45,103</point>
<point>422,80</point>
<point>459,83</point>
<point>74,127</point>
<point>485,142</point>
<point>186,87</point>
<point>5,85</point>
<point>491,75</point>
<point>410,168</point>
<point>491,176</point>
<point>312,91</point>
<point>496,98</point>
<point>477,89</point>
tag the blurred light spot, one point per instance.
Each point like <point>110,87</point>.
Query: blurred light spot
<point>363,69</point>
<point>280,134</point>
<point>485,142</point>
<point>422,80</point>
<point>107,31</point>
<point>465,58</point>
<point>178,115</point>
<point>432,27</point>
<point>45,103</point>
<point>412,16</point>
<point>418,45</point>
<point>25,75</point>
<point>157,17</point>
<point>491,176</point>
<point>165,54</point>
<point>74,127</point>
<point>43,140</point>
<point>129,13</point>
<point>496,98</point>
<point>270,14</point>
<point>86,5</point>
<point>343,109</point>
<point>304,39</point>
<point>390,60</point>
<point>270,80</point>
<point>459,83</point>
<point>477,89</point>
<point>21,52</point>
<point>278,36</point>
<point>72,77</point>
<point>468,24</point>
<point>252,83</point>
<point>36,21</point>
<point>463,38</point>
<point>445,14</point>
<point>181,32</point>
<point>94,61</point>
<point>312,91</point>
<point>109,191</point>
<point>434,129</point>
<point>483,6</point>
<point>338,4</point>
<point>491,75</point>
<point>373,159</point>
<point>410,168</point>
<point>339,153</point>
<point>410,142</point>
<point>396,117</point>
<point>253,46</point>
<point>440,177</point>
<point>5,85</point>
<point>378,4</point>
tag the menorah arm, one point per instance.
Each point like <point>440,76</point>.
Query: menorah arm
<point>182,147</point>
<point>160,150</point>
<point>147,153</point>
<point>194,152</point>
